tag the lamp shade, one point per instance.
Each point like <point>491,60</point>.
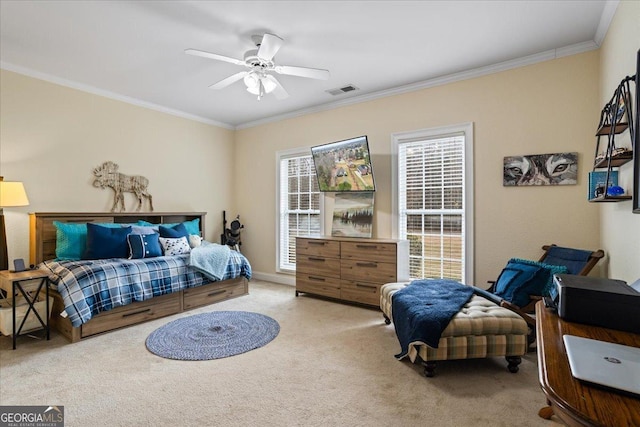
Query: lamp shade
<point>12,194</point>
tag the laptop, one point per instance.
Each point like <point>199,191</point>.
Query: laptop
<point>612,365</point>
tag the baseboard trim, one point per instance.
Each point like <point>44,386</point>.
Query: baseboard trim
<point>276,278</point>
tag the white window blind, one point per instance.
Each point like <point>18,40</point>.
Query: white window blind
<point>299,206</point>
<point>431,205</point>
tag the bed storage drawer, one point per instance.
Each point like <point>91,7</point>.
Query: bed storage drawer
<point>208,294</point>
<point>142,311</point>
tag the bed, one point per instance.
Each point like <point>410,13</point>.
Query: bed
<point>173,285</point>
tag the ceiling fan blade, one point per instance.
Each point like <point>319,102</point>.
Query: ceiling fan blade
<point>312,73</point>
<point>210,55</point>
<point>229,80</point>
<point>279,91</point>
<point>269,46</point>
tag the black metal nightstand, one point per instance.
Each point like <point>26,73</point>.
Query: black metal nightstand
<point>15,284</point>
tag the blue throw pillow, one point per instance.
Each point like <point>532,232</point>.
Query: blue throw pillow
<point>144,245</point>
<point>71,240</point>
<point>106,242</point>
<point>542,283</point>
<point>178,230</point>
<point>193,226</point>
<point>512,280</point>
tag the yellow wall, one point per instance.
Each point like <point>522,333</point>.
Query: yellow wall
<point>51,138</point>
<point>619,228</point>
<point>544,108</point>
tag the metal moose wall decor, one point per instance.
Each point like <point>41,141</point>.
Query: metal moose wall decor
<point>107,175</point>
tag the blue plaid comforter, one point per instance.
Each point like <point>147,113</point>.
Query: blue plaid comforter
<point>89,287</point>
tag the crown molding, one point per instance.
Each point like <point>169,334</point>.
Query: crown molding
<point>605,20</point>
<point>111,95</point>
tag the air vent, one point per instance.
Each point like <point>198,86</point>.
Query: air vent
<point>341,90</point>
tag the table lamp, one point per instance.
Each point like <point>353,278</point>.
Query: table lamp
<point>11,194</point>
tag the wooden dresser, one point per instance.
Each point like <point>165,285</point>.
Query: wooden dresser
<point>350,269</point>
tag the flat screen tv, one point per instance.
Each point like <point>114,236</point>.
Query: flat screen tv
<point>344,165</point>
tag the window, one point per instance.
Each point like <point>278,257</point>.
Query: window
<point>433,201</point>
<point>299,204</point>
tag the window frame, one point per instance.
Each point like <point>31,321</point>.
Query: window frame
<point>432,133</point>
<point>280,156</point>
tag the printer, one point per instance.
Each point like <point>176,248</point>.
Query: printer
<point>607,303</point>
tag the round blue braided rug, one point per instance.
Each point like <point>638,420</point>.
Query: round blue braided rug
<point>212,335</point>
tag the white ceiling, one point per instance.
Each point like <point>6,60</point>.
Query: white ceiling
<point>134,50</point>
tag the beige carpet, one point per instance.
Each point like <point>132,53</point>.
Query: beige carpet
<point>331,365</point>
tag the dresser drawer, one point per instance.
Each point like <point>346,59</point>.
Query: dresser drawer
<point>368,271</point>
<point>131,314</point>
<point>318,285</point>
<point>319,266</point>
<point>361,292</point>
<point>318,247</point>
<point>369,251</point>
<point>208,294</point>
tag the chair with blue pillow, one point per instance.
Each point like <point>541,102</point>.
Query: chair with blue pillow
<point>523,283</point>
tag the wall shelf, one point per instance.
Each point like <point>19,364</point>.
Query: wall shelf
<point>606,129</point>
<point>609,199</point>
<point>616,160</point>
<point>613,123</point>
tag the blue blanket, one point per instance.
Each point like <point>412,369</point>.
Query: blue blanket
<point>422,310</point>
<point>210,259</point>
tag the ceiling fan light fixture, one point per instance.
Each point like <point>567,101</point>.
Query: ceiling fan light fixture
<point>258,84</point>
<point>269,85</point>
<point>252,81</point>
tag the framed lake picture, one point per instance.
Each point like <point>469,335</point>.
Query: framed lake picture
<point>540,169</point>
<point>353,215</point>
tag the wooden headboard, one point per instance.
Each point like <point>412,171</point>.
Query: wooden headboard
<point>42,232</point>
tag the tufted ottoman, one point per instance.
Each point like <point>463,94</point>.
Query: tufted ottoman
<point>480,329</point>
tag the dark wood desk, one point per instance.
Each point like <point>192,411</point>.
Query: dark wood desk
<point>577,403</point>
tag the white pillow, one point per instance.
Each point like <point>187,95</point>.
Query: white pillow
<point>194,240</point>
<point>175,246</point>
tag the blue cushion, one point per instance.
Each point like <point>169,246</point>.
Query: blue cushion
<point>542,283</point>
<point>193,226</point>
<point>522,278</point>
<point>106,242</point>
<point>144,245</point>
<point>71,240</point>
<point>513,278</point>
<point>178,230</point>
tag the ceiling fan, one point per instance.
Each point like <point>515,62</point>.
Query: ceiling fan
<point>258,78</point>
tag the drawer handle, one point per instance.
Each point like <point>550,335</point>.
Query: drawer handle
<point>359,285</point>
<point>319,279</point>
<point>136,312</point>
<point>214,293</point>
<point>316,259</point>
<point>312,242</point>
<point>367,246</point>
<point>367,264</point>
